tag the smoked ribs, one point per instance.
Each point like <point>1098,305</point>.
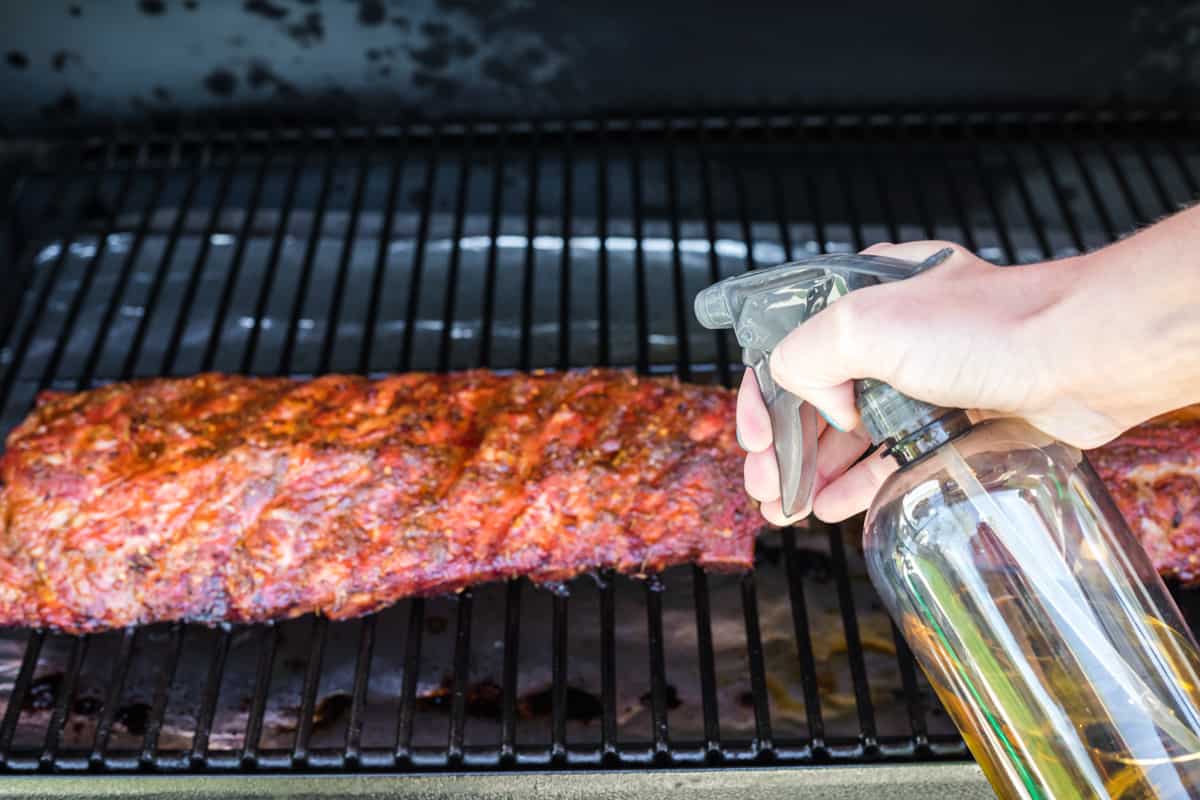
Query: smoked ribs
<point>222,498</point>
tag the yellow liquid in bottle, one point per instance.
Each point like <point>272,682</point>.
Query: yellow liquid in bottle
<point>1032,760</point>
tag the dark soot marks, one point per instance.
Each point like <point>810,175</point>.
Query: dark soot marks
<point>435,30</point>
<point>673,701</point>
<point>152,7</point>
<point>435,56</point>
<point>331,708</point>
<point>464,47</point>
<point>221,82</point>
<point>61,58</point>
<point>190,5</point>
<point>402,23</point>
<point>87,706</point>
<point>42,692</point>
<point>371,12</point>
<point>67,105</point>
<point>440,86</point>
<point>515,71</point>
<point>162,95</point>
<point>133,718</point>
<point>265,8</point>
<point>373,54</point>
<point>485,700</point>
<point>309,30</point>
<point>16,59</point>
<point>582,706</point>
<point>74,11</point>
<point>260,75</point>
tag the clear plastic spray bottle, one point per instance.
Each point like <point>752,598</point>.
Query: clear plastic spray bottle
<point>1037,617</point>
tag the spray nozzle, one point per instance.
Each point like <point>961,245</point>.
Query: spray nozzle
<point>764,306</point>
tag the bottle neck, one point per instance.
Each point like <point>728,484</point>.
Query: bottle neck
<point>929,438</point>
<point>908,428</point>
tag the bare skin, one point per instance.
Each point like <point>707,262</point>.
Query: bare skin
<point>1082,348</point>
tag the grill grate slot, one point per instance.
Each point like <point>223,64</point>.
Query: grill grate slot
<point>513,246</point>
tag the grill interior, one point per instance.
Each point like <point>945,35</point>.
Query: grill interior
<point>562,243</point>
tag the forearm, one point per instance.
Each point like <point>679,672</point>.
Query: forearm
<point>1125,328</point>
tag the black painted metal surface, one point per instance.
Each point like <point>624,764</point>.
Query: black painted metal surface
<point>72,62</point>
<point>567,243</point>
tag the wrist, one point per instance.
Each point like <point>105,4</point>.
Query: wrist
<point>1122,334</point>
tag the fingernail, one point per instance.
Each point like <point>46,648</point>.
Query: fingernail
<point>833,424</point>
<point>738,433</point>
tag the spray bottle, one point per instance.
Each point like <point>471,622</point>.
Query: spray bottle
<point>1037,617</point>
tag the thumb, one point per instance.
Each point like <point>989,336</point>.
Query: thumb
<point>850,339</point>
<point>864,334</point>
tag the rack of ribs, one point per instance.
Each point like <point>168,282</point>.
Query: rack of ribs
<point>1153,473</point>
<point>219,498</point>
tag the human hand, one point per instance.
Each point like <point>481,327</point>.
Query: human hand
<point>1021,341</point>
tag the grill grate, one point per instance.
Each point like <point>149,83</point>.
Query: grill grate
<point>544,245</point>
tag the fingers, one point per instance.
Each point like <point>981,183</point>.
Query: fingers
<point>866,334</point>
<point>753,421</point>
<point>761,474</point>
<point>853,491</point>
<point>836,453</point>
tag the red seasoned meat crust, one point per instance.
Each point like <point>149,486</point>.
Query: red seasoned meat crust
<point>1153,474</point>
<point>223,498</point>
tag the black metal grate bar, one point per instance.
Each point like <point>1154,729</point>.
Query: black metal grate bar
<point>160,276</point>
<point>208,703</point>
<point>999,223</point>
<point>308,695</point>
<point>763,740</point>
<point>362,676</point>
<point>395,181</point>
<point>116,685</point>
<point>21,350</point>
<point>639,257</point>
<point>558,742</point>
<point>714,264</point>
<point>804,647</point>
<point>418,262</point>
<point>708,678</point>
<point>110,226</point>
<point>462,674</point>
<point>1056,187</point>
<point>62,700</point>
<point>525,360</point>
<point>658,670</point>
<point>602,310</point>
<point>287,355</point>
<point>512,638</point>
<point>158,707</point>
<point>1089,183</point>
<point>258,704</point>
<point>299,161</point>
<point>495,209</point>
<point>338,294</point>
<point>854,650</point>
<point>408,693</point>
<point>608,668</point>
<point>460,214</point>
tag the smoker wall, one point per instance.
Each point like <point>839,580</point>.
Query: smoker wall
<point>72,61</point>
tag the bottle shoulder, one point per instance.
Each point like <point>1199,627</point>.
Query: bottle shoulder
<point>998,455</point>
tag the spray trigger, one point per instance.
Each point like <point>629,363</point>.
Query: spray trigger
<point>762,307</point>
